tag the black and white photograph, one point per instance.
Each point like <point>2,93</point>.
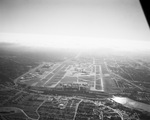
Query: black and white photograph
<point>74,60</point>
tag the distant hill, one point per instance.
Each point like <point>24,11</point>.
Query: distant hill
<point>33,54</point>
<point>15,60</point>
<point>5,80</point>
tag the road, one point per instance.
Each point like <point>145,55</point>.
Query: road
<point>75,113</point>
<point>39,107</point>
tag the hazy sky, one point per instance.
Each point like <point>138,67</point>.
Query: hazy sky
<point>71,22</point>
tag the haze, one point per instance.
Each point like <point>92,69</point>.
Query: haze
<point>77,24</point>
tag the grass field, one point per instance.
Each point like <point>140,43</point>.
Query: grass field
<point>68,79</point>
<point>88,78</point>
<point>110,84</point>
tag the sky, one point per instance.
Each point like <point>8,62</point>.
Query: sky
<point>74,24</point>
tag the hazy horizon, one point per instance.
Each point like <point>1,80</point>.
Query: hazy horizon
<point>76,24</point>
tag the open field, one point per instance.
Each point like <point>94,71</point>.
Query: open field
<point>110,85</point>
<point>68,79</point>
<point>87,78</point>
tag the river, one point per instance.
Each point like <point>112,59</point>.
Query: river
<point>131,103</point>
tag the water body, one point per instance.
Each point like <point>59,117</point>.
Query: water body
<point>131,103</point>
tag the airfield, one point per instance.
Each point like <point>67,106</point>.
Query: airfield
<point>77,72</point>
<point>81,72</point>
